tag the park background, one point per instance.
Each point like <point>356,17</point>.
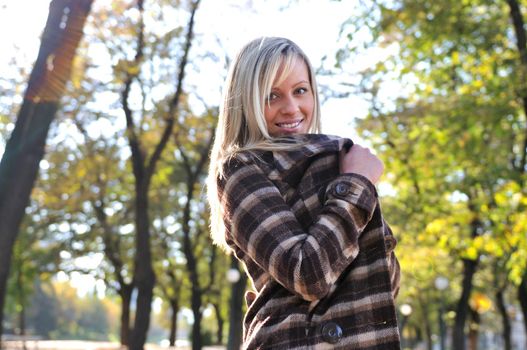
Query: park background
<point>107,111</point>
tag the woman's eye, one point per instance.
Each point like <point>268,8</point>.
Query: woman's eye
<point>301,90</point>
<point>272,96</point>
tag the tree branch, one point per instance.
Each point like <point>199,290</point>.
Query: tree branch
<point>135,146</point>
<point>174,104</point>
<point>521,44</point>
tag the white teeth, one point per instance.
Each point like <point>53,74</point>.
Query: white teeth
<point>289,125</point>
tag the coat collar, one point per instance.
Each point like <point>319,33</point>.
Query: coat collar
<point>290,164</point>
<point>312,145</point>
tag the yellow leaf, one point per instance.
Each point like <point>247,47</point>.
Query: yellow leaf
<point>81,173</point>
<point>463,90</point>
<point>485,71</point>
<point>477,243</point>
<point>493,248</point>
<point>455,57</point>
<point>478,84</point>
<point>133,70</point>
<point>480,302</point>
<point>436,226</point>
<point>470,253</point>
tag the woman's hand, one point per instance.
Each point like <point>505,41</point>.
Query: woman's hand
<point>360,160</point>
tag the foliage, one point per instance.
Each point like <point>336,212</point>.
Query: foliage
<point>84,198</point>
<point>445,85</point>
<point>58,312</point>
<point>447,118</point>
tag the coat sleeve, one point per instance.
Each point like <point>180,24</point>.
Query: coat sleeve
<point>306,262</point>
<point>393,263</point>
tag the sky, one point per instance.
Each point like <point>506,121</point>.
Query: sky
<point>313,24</point>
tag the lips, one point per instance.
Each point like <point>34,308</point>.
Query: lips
<point>290,125</point>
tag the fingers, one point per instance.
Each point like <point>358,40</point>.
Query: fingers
<point>362,161</point>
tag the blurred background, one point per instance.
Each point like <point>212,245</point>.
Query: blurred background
<point>107,112</point>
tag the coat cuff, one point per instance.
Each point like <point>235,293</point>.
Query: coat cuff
<point>354,189</point>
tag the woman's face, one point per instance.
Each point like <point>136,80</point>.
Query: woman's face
<point>289,107</point>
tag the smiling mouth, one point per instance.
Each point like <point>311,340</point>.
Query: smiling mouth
<point>290,125</point>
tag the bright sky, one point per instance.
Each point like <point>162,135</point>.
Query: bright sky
<point>313,24</point>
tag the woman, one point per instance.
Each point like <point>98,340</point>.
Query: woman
<point>300,210</point>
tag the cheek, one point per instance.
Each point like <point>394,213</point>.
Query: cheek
<point>309,107</point>
<point>269,114</point>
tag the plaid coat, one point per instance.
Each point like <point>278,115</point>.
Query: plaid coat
<point>315,246</point>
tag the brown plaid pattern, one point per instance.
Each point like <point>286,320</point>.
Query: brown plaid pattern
<point>316,248</point>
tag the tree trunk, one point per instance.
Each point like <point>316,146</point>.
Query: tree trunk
<point>112,253</point>
<point>521,44</point>
<point>25,148</point>
<point>473,332</point>
<point>462,309</point>
<point>21,302</point>
<point>522,297</point>
<point>126,297</point>
<point>174,306</point>
<point>235,309</point>
<point>424,305</point>
<point>220,322</point>
<point>196,326</point>
<point>22,325</point>
<point>144,275</point>
<point>500,301</point>
<point>18,171</point>
<point>192,266</point>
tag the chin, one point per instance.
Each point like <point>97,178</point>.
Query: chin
<point>287,133</point>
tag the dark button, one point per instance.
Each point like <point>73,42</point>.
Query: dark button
<point>389,243</point>
<point>342,189</point>
<point>331,332</point>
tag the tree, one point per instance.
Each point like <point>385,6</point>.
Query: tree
<point>35,257</point>
<point>25,148</point>
<point>143,169</point>
<point>194,229</point>
<point>234,341</point>
<point>453,135</point>
<point>58,312</point>
<point>109,187</point>
<point>521,169</point>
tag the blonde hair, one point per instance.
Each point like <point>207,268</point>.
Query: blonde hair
<point>241,123</point>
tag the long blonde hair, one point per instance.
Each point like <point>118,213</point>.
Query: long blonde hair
<point>241,123</point>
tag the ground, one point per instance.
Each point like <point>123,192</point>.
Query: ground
<point>81,345</point>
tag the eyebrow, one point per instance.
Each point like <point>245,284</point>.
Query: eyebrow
<point>295,84</point>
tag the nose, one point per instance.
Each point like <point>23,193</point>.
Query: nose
<point>289,106</point>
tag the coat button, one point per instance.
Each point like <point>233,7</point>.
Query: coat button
<point>389,243</point>
<point>331,332</point>
<point>342,189</point>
